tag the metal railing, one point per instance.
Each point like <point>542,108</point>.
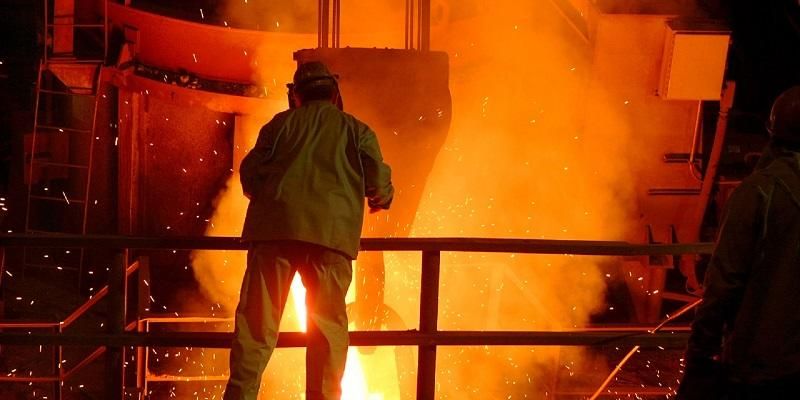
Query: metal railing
<point>427,338</point>
<point>60,374</point>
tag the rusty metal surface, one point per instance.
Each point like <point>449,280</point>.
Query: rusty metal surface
<point>205,50</point>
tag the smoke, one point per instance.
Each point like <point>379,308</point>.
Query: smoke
<point>518,162</point>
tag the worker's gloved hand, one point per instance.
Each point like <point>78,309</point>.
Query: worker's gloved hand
<point>704,379</point>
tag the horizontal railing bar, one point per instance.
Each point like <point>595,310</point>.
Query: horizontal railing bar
<point>665,339</point>
<point>639,328</point>
<point>29,379</point>
<point>478,245</point>
<point>186,320</point>
<point>28,325</point>
<point>620,390</point>
<point>196,378</point>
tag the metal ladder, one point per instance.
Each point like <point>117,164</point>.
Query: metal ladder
<point>60,151</point>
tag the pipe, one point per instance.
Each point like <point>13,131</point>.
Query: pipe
<point>697,128</point>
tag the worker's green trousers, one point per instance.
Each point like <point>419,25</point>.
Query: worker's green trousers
<point>326,274</point>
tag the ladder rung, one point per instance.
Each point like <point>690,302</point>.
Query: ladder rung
<point>62,129</point>
<point>51,233</point>
<point>51,266</point>
<point>79,25</point>
<point>55,198</point>
<point>70,59</point>
<point>62,93</point>
<point>57,164</point>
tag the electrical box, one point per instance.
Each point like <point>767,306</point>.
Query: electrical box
<point>695,54</point>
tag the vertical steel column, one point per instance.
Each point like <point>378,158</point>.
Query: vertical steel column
<point>428,324</point>
<point>409,39</point>
<point>44,37</point>
<point>115,355</point>
<point>424,29</point>
<point>337,18</point>
<point>105,31</point>
<point>324,24</point>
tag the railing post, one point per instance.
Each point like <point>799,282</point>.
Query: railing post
<point>117,282</point>
<point>58,357</point>
<point>428,324</point>
<point>142,310</point>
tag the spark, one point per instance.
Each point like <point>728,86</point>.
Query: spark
<point>202,15</point>
<point>194,56</point>
<point>65,197</point>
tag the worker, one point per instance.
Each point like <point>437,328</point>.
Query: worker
<point>745,339</point>
<point>306,178</point>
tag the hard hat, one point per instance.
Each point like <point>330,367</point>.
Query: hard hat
<point>310,74</point>
<point>784,119</point>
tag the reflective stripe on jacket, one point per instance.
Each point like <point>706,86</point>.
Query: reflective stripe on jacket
<point>307,177</point>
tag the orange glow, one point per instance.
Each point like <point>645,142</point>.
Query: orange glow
<point>354,386</point>
<point>298,293</point>
<point>518,162</point>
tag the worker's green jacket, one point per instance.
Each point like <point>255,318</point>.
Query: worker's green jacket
<point>752,285</point>
<point>307,177</point>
